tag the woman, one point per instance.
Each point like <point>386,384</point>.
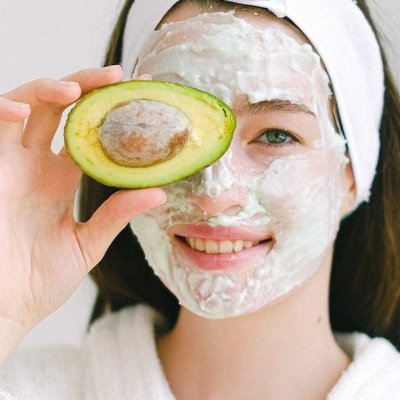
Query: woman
<point>247,245</point>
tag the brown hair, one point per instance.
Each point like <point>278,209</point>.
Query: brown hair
<point>365,282</point>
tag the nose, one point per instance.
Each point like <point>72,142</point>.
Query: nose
<point>217,189</point>
<point>228,202</point>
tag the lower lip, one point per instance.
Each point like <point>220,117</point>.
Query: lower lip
<point>223,261</point>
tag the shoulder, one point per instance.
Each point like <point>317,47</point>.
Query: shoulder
<point>43,373</point>
<point>123,357</point>
<point>119,356</point>
<point>130,328</point>
<point>135,317</point>
<point>374,372</point>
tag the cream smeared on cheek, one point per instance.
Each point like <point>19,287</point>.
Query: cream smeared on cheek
<point>296,199</point>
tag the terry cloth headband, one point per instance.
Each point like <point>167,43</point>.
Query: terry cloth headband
<point>346,44</point>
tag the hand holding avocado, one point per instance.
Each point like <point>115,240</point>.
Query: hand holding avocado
<point>45,253</point>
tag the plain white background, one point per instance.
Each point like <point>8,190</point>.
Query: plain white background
<point>51,38</point>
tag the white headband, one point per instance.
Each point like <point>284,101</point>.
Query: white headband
<point>342,37</point>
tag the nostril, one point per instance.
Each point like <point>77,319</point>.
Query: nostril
<point>228,203</point>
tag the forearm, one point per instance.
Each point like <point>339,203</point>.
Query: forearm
<point>11,334</point>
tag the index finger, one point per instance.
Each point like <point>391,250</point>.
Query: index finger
<point>90,79</point>
<point>87,79</point>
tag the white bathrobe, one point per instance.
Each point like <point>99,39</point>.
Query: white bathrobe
<point>119,361</point>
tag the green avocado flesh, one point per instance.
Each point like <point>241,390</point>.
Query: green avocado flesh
<point>212,125</point>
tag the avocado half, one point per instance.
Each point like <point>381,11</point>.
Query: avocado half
<point>212,127</point>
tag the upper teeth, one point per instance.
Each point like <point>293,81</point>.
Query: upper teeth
<point>219,246</point>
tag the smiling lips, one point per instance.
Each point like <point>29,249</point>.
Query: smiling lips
<point>220,248</point>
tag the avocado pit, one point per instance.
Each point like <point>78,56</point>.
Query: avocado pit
<point>143,132</point>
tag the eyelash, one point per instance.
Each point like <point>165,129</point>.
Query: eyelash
<point>291,137</point>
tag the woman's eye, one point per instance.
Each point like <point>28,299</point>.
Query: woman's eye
<point>275,137</point>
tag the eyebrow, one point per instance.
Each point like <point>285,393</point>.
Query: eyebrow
<point>272,105</point>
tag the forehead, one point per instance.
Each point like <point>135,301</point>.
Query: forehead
<point>231,51</point>
<point>255,16</point>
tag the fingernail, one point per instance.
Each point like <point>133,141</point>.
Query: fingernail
<point>163,196</point>
<point>146,77</point>
<point>111,67</point>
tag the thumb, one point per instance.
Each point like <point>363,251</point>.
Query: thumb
<point>96,235</point>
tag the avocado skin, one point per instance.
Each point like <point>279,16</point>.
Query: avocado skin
<point>213,124</point>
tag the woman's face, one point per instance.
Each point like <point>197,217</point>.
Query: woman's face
<point>260,221</point>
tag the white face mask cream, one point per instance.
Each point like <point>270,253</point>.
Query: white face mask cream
<point>287,206</point>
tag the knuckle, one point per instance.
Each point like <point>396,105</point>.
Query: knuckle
<point>11,111</point>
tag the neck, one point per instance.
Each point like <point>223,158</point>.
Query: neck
<point>286,350</point>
